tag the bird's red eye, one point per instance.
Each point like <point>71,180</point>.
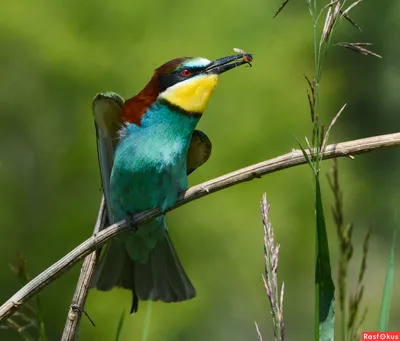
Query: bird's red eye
<point>186,73</point>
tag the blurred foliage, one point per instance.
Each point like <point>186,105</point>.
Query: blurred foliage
<point>27,321</point>
<point>55,56</point>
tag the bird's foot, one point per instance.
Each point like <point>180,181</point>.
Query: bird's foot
<point>132,227</point>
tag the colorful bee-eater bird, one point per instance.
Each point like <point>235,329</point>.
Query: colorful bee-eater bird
<point>107,112</point>
<point>151,162</point>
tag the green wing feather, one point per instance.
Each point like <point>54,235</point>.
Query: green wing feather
<point>107,114</point>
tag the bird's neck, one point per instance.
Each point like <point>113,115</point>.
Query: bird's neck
<point>173,121</point>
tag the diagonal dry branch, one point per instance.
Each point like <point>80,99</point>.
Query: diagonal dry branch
<point>288,160</point>
<point>82,287</point>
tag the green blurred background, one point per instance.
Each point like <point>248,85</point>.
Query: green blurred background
<point>55,56</point>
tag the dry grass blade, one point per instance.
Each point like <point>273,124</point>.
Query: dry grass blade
<point>330,4</point>
<point>351,326</point>
<point>258,332</point>
<point>281,310</point>
<point>271,254</point>
<point>357,328</point>
<point>310,150</point>
<point>354,4</point>
<point>344,234</point>
<point>282,6</point>
<point>358,47</point>
<point>336,12</point>
<point>309,82</point>
<point>325,141</point>
<point>351,21</point>
<point>330,21</point>
<point>311,103</point>
<point>364,258</point>
<point>355,299</point>
<point>311,97</point>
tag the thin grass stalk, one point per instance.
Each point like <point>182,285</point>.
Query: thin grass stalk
<point>120,326</point>
<point>259,336</point>
<point>146,328</point>
<point>387,290</point>
<point>345,245</point>
<point>350,329</point>
<point>315,140</point>
<point>324,287</point>
<point>270,279</point>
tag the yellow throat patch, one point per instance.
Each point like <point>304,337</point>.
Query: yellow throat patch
<point>193,94</point>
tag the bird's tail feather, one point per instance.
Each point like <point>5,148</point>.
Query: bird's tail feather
<point>112,267</point>
<point>161,278</point>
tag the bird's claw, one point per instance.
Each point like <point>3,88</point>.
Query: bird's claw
<point>132,227</point>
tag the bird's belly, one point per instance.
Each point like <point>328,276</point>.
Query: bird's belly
<point>138,188</point>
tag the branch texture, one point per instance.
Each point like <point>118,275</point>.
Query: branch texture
<point>288,160</point>
<point>82,287</point>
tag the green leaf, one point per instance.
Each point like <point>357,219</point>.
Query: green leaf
<point>310,163</point>
<point>120,325</point>
<point>387,290</point>
<point>324,287</point>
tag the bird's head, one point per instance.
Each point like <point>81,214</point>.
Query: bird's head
<point>186,83</point>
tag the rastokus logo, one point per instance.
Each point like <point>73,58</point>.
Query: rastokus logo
<point>380,336</point>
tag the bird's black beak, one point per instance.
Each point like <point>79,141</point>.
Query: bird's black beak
<point>221,65</point>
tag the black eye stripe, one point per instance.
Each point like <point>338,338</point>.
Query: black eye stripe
<point>167,80</point>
